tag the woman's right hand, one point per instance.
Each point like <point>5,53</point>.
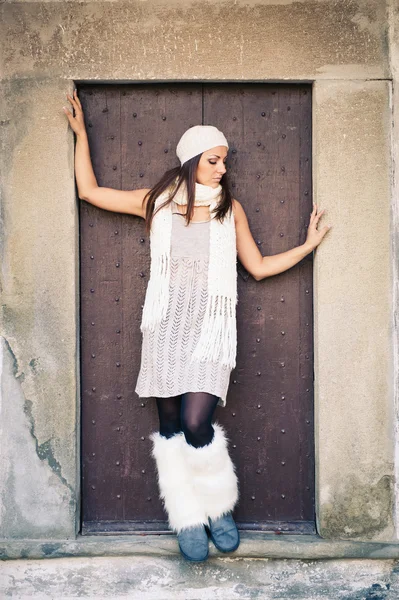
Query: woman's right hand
<point>77,122</point>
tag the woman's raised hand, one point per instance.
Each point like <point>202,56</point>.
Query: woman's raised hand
<point>314,236</point>
<point>77,122</point>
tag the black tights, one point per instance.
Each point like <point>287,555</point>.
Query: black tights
<point>191,413</point>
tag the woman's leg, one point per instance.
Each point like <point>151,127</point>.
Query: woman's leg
<point>197,409</point>
<point>169,415</point>
<point>212,471</point>
<point>186,515</point>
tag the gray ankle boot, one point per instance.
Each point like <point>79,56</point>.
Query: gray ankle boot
<point>194,543</point>
<point>185,512</point>
<point>224,533</point>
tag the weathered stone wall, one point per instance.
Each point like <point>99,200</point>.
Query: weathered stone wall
<point>349,49</point>
<point>393,44</point>
<point>353,307</point>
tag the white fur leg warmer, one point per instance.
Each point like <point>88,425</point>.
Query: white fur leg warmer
<point>175,483</point>
<point>213,474</point>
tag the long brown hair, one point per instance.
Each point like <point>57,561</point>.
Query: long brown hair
<point>185,174</point>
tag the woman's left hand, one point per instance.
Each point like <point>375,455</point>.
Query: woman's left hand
<point>314,236</point>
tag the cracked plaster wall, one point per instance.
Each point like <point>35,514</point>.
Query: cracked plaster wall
<point>394,67</point>
<point>354,416</point>
<point>33,491</point>
<point>39,239</point>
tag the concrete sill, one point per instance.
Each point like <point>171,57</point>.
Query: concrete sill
<point>253,545</point>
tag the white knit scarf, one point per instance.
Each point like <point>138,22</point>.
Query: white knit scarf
<point>218,338</point>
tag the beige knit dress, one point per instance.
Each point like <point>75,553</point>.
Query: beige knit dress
<point>165,354</point>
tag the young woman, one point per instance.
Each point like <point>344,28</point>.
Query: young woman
<point>197,230</point>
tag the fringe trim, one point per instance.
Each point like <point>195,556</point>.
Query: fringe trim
<point>157,295</point>
<point>218,339</point>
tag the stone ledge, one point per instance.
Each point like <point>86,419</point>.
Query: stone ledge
<point>253,545</point>
<point>218,578</point>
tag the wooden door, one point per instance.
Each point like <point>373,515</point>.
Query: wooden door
<point>133,131</point>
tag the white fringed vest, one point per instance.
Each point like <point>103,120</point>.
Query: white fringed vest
<point>218,339</point>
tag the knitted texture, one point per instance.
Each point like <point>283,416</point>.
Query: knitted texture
<point>197,140</point>
<point>166,367</point>
<point>218,337</point>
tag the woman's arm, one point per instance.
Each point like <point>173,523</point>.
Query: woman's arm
<point>123,201</point>
<point>265,266</point>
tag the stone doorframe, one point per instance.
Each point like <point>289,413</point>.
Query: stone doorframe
<point>354,277</point>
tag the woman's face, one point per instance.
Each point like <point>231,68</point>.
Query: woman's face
<point>212,166</point>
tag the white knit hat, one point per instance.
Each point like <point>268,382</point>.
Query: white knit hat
<point>198,139</point>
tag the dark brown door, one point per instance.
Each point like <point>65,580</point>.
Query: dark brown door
<point>133,131</point>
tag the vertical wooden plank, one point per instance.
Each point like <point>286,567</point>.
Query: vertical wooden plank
<point>268,405</point>
<point>133,131</point>
<point>306,389</point>
<point>153,117</point>
<point>101,282</point>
